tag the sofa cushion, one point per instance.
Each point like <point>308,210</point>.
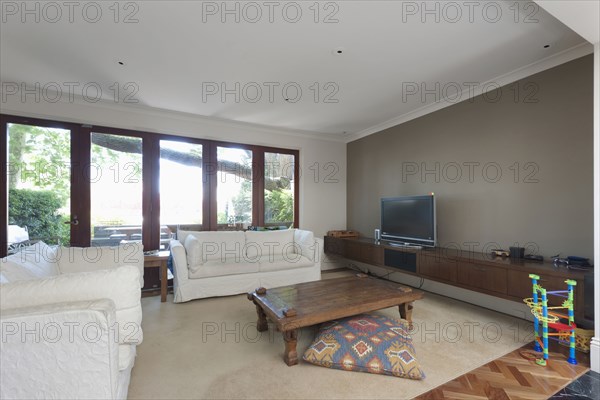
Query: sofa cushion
<point>85,259</point>
<point>32,262</point>
<point>305,243</point>
<point>217,268</point>
<point>269,244</point>
<point>366,343</point>
<point>181,235</point>
<point>193,250</point>
<point>267,264</point>
<point>225,246</point>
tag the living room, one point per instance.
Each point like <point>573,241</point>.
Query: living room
<point>503,129</point>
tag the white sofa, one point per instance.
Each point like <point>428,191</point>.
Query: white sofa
<point>207,264</point>
<point>71,321</point>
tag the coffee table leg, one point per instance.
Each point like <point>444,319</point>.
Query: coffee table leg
<point>261,324</point>
<point>406,310</point>
<point>290,356</point>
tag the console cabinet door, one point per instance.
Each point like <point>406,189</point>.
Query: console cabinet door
<point>482,277</point>
<point>335,246</point>
<point>438,268</point>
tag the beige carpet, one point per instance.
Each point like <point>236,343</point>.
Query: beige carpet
<point>210,349</point>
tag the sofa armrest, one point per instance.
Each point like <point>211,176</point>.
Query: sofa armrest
<point>59,351</point>
<point>121,285</point>
<point>180,267</point>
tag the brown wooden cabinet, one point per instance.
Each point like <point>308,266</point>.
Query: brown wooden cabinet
<point>495,276</point>
<point>438,268</point>
<point>483,277</point>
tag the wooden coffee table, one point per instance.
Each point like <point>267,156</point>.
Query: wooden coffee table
<point>297,306</point>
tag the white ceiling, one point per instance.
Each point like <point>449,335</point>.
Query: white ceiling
<point>176,49</point>
<point>583,16</point>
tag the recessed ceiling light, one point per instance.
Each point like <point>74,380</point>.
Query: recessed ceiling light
<point>546,46</point>
<point>338,51</point>
<point>121,63</point>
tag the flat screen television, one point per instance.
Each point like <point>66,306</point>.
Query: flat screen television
<point>409,220</point>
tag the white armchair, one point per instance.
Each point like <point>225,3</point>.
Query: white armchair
<point>67,335</point>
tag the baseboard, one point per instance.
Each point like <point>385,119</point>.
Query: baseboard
<point>595,354</point>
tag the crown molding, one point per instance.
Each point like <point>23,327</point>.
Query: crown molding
<point>554,60</point>
<point>22,109</point>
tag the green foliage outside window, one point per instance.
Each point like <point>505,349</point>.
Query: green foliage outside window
<point>38,211</point>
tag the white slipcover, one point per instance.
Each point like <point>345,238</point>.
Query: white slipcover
<point>68,335</point>
<point>239,262</point>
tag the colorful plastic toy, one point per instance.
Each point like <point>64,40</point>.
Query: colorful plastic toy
<point>551,319</point>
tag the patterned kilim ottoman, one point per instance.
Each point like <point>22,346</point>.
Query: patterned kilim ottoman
<point>366,343</point>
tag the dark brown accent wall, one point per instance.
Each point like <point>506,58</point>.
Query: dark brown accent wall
<point>514,169</point>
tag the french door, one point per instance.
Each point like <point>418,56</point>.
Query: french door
<point>38,173</point>
<point>70,185</point>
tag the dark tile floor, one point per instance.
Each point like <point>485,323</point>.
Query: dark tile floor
<point>586,387</point>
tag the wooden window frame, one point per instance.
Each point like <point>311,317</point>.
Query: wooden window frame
<point>80,191</point>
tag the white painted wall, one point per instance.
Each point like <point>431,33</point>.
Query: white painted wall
<point>322,195</point>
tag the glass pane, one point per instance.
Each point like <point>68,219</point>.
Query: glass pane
<point>279,189</point>
<point>180,204</point>
<point>39,185</point>
<point>234,188</point>
<point>116,189</point>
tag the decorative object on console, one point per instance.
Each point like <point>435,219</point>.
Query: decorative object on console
<point>516,252</point>
<point>343,234</point>
<point>500,253</point>
<point>366,343</point>
<point>533,257</point>
<point>377,235</point>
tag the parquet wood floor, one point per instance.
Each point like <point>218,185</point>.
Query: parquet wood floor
<point>513,377</point>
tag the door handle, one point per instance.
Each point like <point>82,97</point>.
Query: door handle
<point>74,221</point>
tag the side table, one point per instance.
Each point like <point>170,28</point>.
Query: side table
<point>159,260</point>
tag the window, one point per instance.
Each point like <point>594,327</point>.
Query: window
<point>39,182</point>
<point>279,189</point>
<point>116,189</point>
<point>181,188</point>
<point>234,188</point>
<point>81,185</point>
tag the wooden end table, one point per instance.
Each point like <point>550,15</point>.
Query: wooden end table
<point>297,306</point>
<point>159,260</point>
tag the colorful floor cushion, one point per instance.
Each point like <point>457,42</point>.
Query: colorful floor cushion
<point>366,343</point>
